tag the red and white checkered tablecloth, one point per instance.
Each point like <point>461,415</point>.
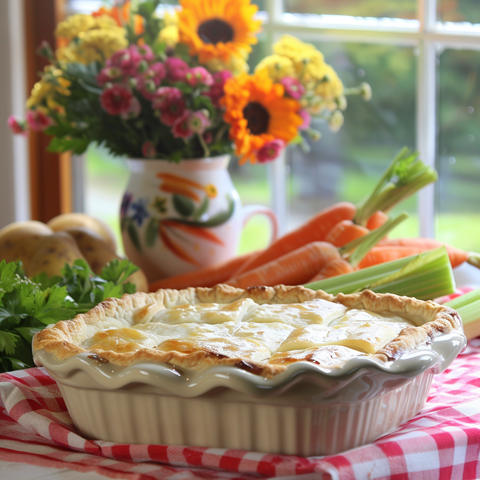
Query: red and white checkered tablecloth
<point>443,441</point>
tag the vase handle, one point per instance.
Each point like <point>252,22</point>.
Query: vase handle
<point>250,211</point>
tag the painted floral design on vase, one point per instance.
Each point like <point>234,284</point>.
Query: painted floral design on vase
<point>179,217</point>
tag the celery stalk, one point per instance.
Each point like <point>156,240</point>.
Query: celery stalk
<point>356,250</point>
<point>468,306</point>
<point>405,176</point>
<point>425,276</point>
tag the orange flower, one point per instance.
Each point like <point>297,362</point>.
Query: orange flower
<point>258,113</point>
<point>122,15</point>
<point>218,29</point>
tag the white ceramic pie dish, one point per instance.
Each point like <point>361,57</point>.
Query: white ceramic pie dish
<point>306,410</point>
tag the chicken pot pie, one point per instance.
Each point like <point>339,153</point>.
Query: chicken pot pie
<point>261,329</point>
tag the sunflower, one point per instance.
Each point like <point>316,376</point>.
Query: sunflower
<point>218,28</point>
<point>258,113</point>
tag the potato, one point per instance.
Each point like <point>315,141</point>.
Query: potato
<point>98,253</point>
<point>19,240</point>
<point>72,220</point>
<point>52,253</point>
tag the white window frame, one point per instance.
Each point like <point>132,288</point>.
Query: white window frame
<point>426,34</point>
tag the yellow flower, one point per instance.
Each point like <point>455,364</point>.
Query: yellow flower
<point>54,106</point>
<point>66,54</point>
<point>335,122</point>
<point>73,26</point>
<point>39,92</point>
<point>52,82</point>
<point>277,67</point>
<point>309,63</point>
<point>104,22</point>
<point>332,87</point>
<point>100,45</point>
<point>169,35</point>
<point>211,190</point>
<point>218,28</point>
<point>258,113</point>
<point>170,18</point>
<point>236,65</point>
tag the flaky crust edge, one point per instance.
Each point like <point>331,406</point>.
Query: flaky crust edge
<point>431,319</point>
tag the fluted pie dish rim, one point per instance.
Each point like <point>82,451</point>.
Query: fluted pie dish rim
<point>435,343</point>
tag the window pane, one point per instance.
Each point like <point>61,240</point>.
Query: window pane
<point>347,165</point>
<point>363,8</point>
<point>458,11</point>
<point>458,162</point>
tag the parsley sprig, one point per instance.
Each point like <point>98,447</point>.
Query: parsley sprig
<point>28,306</point>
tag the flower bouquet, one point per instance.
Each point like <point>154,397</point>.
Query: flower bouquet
<point>175,86</point>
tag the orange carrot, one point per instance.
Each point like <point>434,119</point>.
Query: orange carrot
<point>205,277</point>
<point>334,268</point>
<point>345,232</point>
<point>196,231</point>
<point>174,247</point>
<point>457,256</point>
<point>377,220</point>
<point>293,268</point>
<point>387,253</point>
<point>312,231</point>
<point>177,179</point>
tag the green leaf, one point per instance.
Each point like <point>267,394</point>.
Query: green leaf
<point>27,332</point>
<point>117,271</point>
<point>76,145</point>
<point>17,364</point>
<point>129,288</point>
<point>45,281</point>
<point>183,205</point>
<point>9,319</point>
<point>8,342</point>
<point>133,234</point>
<point>151,232</point>
<point>201,209</point>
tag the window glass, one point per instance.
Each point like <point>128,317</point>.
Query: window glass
<point>458,161</point>
<point>346,165</point>
<point>458,11</point>
<point>363,8</point>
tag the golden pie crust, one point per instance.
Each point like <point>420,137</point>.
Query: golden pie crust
<point>62,339</point>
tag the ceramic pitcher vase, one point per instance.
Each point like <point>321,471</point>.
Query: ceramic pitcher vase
<point>180,217</point>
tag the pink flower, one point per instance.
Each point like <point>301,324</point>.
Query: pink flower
<point>199,76</point>
<point>198,122</point>
<point>208,137</point>
<point>171,111</point>
<point>134,110</point>
<point>216,90</point>
<point>150,79</point>
<point>270,151</point>
<point>109,74</point>
<point>149,150</point>
<point>38,121</point>
<point>146,52</point>
<point>127,59</point>
<point>16,126</point>
<point>176,69</point>
<point>293,87</point>
<point>164,95</point>
<point>181,127</point>
<point>116,100</point>
<point>305,116</point>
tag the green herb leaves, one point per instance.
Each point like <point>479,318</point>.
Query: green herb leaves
<point>27,306</point>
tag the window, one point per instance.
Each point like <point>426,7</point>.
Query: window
<point>422,59</point>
